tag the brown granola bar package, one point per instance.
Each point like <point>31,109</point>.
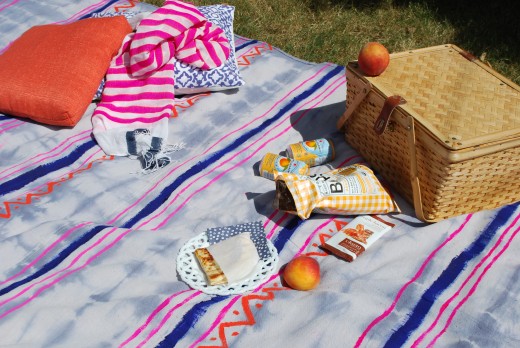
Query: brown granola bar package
<point>357,236</point>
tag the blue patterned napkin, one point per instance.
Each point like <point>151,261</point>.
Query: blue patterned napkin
<point>218,234</point>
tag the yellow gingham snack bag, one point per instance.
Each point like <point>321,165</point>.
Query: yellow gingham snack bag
<point>349,190</point>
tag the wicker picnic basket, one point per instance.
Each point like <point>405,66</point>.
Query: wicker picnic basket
<point>441,127</point>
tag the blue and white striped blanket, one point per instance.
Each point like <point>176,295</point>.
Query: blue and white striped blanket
<point>88,246</point>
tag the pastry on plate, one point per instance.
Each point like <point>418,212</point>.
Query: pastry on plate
<point>228,261</point>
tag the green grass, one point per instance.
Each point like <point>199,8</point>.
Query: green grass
<point>335,30</point>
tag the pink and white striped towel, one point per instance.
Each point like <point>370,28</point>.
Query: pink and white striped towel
<point>137,102</point>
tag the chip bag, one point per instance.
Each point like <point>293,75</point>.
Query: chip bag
<point>349,190</point>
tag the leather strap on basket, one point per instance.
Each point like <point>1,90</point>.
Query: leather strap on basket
<point>414,177</point>
<point>362,87</point>
<point>384,116</point>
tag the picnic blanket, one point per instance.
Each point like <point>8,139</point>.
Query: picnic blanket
<point>89,245</point>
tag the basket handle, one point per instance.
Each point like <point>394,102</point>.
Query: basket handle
<point>414,177</point>
<point>384,116</point>
<point>379,127</point>
<point>356,84</point>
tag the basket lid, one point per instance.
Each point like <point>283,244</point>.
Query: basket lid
<point>459,99</point>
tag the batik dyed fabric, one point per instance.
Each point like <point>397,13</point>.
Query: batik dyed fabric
<point>88,249</point>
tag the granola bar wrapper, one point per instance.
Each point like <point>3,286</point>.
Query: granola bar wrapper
<point>357,236</point>
<point>352,190</point>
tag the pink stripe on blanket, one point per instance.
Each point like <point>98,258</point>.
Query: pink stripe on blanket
<point>8,5</point>
<point>82,136</point>
<point>84,11</point>
<point>45,252</point>
<point>428,259</point>
<point>2,2</point>
<point>156,311</point>
<point>69,20</point>
<point>277,224</point>
<point>473,288</point>
<point>166,318</point>
<point>447,303</point>
<point>55,277</point>
<point>11,125</point>
<point>218,319</point>
<point>270,218</point>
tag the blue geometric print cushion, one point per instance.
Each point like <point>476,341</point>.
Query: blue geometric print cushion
<point>189,80</point>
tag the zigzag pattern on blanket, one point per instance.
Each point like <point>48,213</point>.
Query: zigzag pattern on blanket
<point>139,92</point>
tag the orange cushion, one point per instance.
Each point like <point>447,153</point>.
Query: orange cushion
<point>51,72</point>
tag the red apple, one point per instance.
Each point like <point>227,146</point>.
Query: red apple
<point>302,273</point>
<point>373,58</point>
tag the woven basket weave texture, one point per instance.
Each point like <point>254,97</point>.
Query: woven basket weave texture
<point>453,95</point>
<point>467,131</point>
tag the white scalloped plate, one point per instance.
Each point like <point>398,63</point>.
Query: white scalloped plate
<point>190,271</point>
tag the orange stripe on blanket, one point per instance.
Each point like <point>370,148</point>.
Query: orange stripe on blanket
<point>30,197</point>
<point>250,319</point>
<point>183,104</point>
<point>254,52</point>
<point>323,237</point>
<point>131,3</point>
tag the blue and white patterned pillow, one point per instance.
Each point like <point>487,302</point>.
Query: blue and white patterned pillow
<point>188,79</point>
